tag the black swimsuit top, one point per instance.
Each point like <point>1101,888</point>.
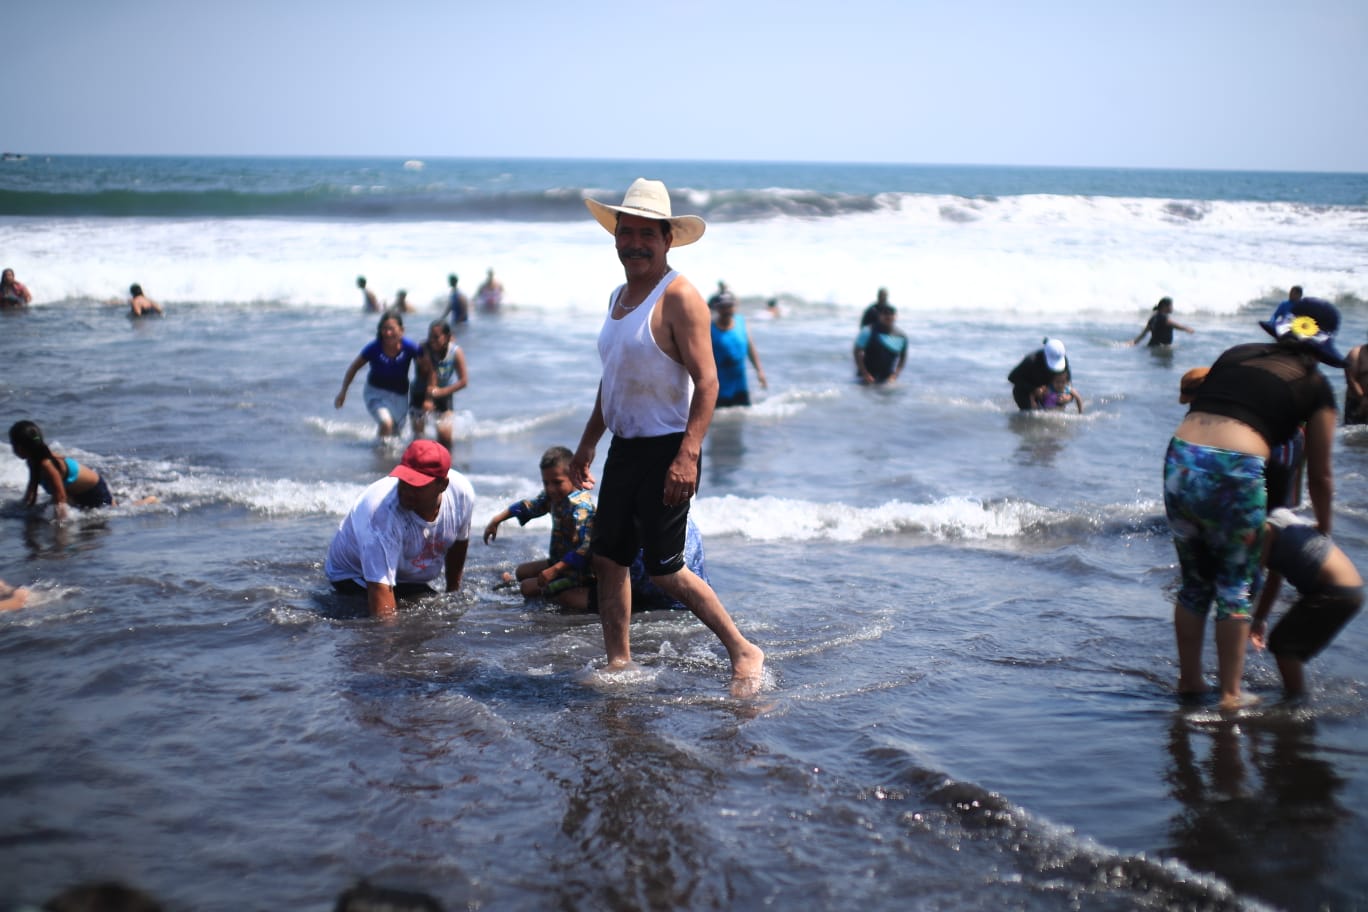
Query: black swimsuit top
<point>1272,388</point>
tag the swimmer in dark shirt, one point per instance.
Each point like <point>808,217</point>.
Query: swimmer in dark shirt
<point>1161,326</point>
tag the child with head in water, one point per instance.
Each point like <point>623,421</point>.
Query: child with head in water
<point>564,576</point>
<point>1330,587</point>
<point>64,478</point>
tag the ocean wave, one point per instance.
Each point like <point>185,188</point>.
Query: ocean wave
<point>383,202</point>
<point>427,203</point>
<point>961,519</point>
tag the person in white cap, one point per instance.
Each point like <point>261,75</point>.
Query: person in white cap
<point>657,396</point>
<point>1036,370</point>
<point>404,530</point>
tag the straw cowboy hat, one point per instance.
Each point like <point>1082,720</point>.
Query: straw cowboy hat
<point>649,199</point>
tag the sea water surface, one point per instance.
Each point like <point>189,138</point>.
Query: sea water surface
<point>967,611</point>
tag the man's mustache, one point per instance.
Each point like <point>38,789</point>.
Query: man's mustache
<point>634,253</point>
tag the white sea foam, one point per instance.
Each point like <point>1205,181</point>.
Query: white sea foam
<point>1027,255</point>
<point>786,519</point>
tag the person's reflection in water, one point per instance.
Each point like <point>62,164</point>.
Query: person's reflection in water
<point>726,449</point>
<point>1259,809</point>
<point>49,540</point>
<point>1042,438</point>
<point>647,817</point>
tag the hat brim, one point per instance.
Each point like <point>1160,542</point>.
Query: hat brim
<point>1324,350</point>
<point>1328,354</point>
<point>413,476</point>
<point>1057,366</point>
<point>684,229</point>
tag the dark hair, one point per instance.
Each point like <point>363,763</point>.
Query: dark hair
<point>109,896</point>
<point>558,457</point>
<point>1162,302</point>
<point>443,325</point>
<point>452,280</point>
<point>27,436</point>
<point>135,289</point>
<point>360,281</point>
<point>666,229</point>
<point>365,898</point>
<point>27,439</point>
<point>391,314</point>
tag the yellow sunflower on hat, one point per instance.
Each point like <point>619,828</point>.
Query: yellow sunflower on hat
<point>1304,327</point>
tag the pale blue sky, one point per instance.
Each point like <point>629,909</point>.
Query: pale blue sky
<point>1238,84</point>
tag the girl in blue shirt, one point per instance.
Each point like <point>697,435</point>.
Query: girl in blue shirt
<point>387,383</point>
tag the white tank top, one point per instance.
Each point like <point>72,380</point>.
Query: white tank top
<point>645,392</point>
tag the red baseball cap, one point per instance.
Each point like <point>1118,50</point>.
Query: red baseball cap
<point>424,462</point>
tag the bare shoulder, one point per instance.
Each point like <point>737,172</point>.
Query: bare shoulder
<point>681,295</point>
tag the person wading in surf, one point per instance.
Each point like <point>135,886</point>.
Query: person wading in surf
<point>657,396</point>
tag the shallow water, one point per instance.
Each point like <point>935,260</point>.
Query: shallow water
<point>969,696</point>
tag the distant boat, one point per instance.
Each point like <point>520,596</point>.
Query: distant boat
<point>413,164</point>
<point>13,157</point>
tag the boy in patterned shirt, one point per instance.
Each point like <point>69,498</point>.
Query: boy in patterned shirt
<point>564,576</point>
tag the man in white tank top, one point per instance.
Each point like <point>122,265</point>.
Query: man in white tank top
<point>656,396</point>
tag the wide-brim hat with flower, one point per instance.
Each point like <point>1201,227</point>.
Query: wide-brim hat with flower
<point>649,199</point>
<point>1311,322</point>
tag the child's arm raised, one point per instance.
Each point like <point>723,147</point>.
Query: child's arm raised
<point>491,531</point>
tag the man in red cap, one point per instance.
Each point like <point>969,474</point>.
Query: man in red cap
<point>404,530</point>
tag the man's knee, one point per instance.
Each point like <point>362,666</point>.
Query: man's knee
<point>679,584</point>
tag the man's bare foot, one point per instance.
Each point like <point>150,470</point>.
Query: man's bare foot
<point>748,672</point>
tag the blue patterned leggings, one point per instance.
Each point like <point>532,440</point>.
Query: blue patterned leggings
<point>1216,503</point>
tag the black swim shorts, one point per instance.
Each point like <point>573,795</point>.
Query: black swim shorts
<point>1313,621</point>
<point>631,515</point>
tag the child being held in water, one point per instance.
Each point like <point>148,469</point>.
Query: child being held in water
<point>1057,395</point>
<point>565,575</point>
<point>65,479</point>
<point>1331,594</point>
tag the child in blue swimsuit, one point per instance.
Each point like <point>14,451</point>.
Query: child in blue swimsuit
<point>65,479</point>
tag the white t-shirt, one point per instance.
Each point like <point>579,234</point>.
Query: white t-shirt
<point>381,542</point>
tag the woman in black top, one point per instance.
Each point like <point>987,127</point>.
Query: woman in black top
<point>1253,399</point>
